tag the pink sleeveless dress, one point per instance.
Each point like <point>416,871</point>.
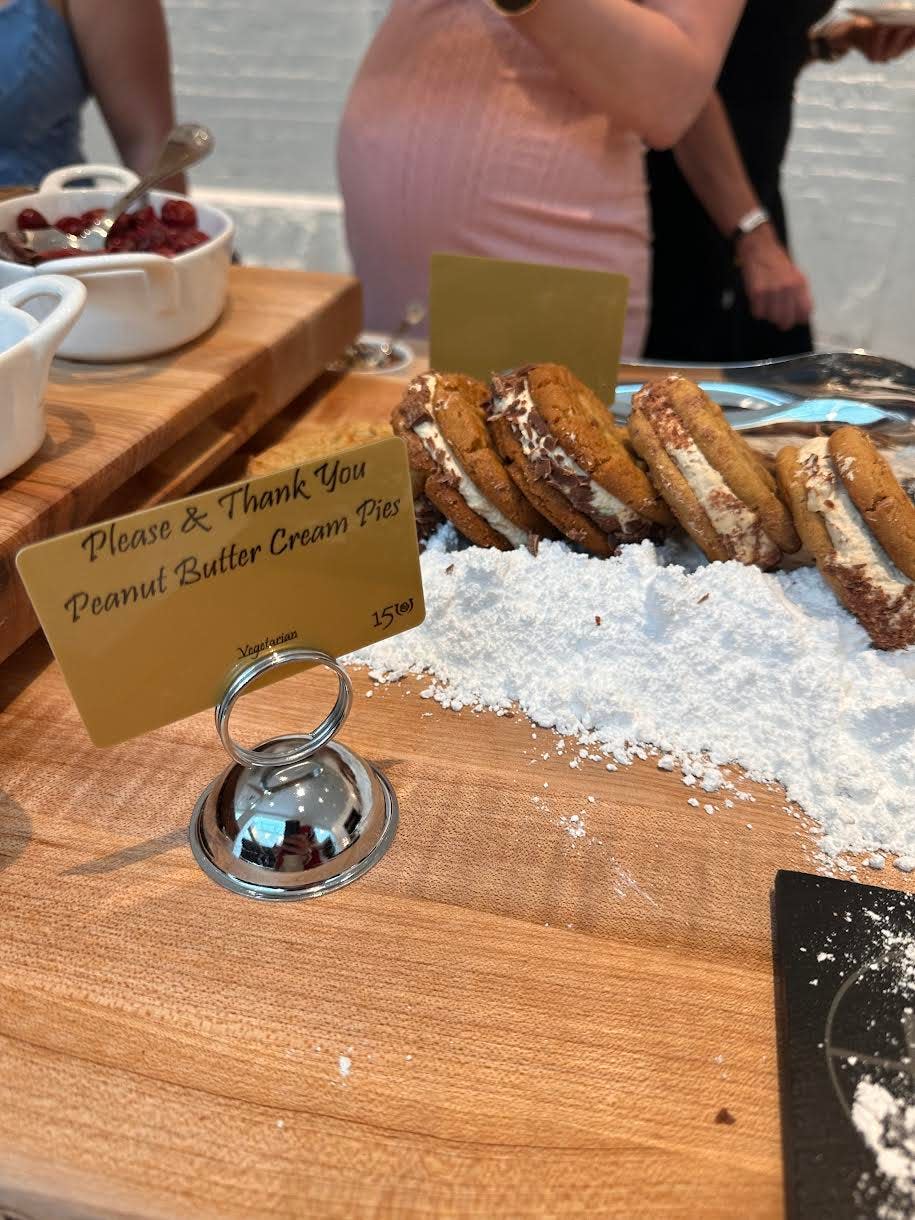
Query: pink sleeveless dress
<point>459,136</point>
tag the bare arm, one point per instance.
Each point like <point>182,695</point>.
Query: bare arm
<point>124,47</point>
<point>710,161</point>
<point>651,66</point>
<point>878,43</point>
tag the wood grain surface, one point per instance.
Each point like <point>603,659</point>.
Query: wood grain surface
<point>126,436</point>
<point>536,1025</point>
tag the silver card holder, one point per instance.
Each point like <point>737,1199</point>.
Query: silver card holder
<point>299,815</point>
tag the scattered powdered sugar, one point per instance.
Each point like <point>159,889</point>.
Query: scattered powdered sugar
<point>345,1065</point>
<point>574,826</point>
<point>623,881</point>
<point>887,1125</point>
<point>868,1039</point>
<point>707,664</point>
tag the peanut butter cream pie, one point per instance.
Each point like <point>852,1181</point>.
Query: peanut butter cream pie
<point>859,524</point>
<point>452,457</point>
<point>716,486</point>
<point>566,454</point>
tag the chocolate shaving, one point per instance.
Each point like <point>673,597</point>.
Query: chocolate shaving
<point>726,1117</point>
<point>428,518</point>
<point>507,386</point>
<point>416,404</point>
<point>669,428</point>
<point>576,488</point>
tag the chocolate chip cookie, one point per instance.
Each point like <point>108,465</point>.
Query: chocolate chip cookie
<point>716,486</point>
<point>859,524</point>
<point>441,418</point>
<point>571,461</point>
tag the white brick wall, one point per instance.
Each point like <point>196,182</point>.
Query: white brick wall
<point>850,182</point>
<point>271,80</point>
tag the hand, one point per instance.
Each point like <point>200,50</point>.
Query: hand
<point>878,43</point>
<point>777,290</point>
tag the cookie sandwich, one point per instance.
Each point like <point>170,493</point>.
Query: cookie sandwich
<point>859,524</point>
<point>564,451</point>
<point>455,466</point>
<point>717,487</point>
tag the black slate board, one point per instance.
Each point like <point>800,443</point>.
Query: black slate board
<point>845,975</point>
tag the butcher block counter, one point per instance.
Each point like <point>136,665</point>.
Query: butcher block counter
<point>128,436</point>
<point>499,1019</point>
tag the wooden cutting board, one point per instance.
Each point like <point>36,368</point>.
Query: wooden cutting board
<point>535,1025</point>
<point>530,1024</point>
<point>126,436</point>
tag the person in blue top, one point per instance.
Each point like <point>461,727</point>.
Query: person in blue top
<point>54,55</point>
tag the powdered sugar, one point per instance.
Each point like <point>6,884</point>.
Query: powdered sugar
<point>574,826</point>
<point>887,1125</point>
<point>709,664</point>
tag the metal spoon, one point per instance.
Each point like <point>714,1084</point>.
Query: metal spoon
<point>413,315</point>
<point>185,146</point>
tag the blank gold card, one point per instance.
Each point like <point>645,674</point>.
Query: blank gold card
<point>149,614</point>
<point>487,315</point>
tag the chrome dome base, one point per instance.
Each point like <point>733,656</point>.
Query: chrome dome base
<point>280,833</point>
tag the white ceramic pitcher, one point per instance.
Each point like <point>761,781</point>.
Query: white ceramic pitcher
<point>27,347</point>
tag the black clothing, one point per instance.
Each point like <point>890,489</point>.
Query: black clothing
<point>699,309</point>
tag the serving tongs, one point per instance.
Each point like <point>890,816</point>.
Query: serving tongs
<point>747,408</point>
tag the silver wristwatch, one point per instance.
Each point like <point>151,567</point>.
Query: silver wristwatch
<point>750,222</point>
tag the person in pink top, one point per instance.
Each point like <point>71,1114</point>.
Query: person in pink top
<point>515,129</point>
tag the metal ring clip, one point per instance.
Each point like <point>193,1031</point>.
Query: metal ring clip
<point>314,740</point>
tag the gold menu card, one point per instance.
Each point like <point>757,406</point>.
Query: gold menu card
<point>151,613</point>
<point>487,315</point>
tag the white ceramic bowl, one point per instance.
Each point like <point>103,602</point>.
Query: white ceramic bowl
<point>27,345</point>
<point>138,305</point>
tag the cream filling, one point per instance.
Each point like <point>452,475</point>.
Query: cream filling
<point>442,453</point>
<point>532,446</point>
<point>728,514</point>
<point>855,546</point>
